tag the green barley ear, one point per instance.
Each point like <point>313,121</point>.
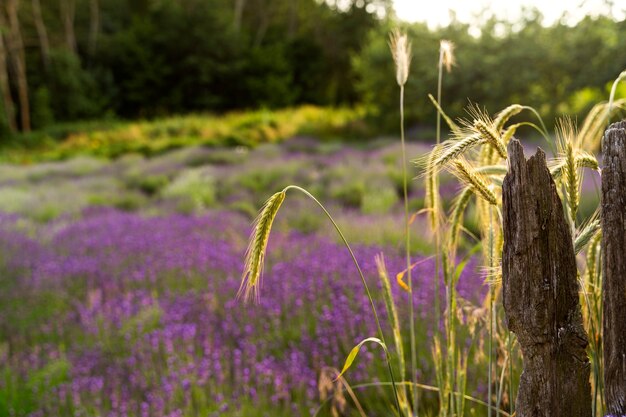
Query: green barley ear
<point>566,142</point>
<point>454,148</point>
<point>587,232</point>
<point>505,115</point>
<point>474,180</point>
<point>257,246</point>
<point>491,136</point>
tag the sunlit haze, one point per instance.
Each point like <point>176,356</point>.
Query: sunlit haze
<point>439,13</point>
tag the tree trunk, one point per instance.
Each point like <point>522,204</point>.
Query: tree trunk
<point>540,292</point>
<point>614,267</point>
<point>9,107</point>
<point>16,53</point>
<point>293,18</point>
<point>42,33</point>
<point>94,25</point>
<point>68,11</point>
<point>239,6</point>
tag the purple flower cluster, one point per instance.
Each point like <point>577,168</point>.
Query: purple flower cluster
<point>117,315</point>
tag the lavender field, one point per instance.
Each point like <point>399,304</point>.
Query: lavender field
<point>119,280</point>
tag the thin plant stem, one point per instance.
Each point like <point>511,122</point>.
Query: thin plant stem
<point>407,233</point>
<point>435,190</point>
<point>510,349</point>
<point>367,291</point>
<point>491,316</point>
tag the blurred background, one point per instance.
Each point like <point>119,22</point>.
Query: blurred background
<point>72,60</point>
<point>139,138</point>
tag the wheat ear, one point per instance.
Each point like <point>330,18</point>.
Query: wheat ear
<point>506,114</point>
<point>255,255</point>
<point>491,136</point>
<point>477,182</point>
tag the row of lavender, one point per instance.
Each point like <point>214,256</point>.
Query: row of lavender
<point>115,314</point>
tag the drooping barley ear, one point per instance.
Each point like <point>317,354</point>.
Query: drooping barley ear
<point>505,115</point>
<point>455,148</point>
<point>587,233</point>
<point>255,255</point>
<point>595,122</point>
<point>477,182</point>
<point>446,51</point>
<point>491,136</point>
<point>401,52</point>
<point>582,159</point>
<point>586,160</point>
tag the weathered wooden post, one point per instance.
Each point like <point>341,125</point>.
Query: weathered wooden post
<point>614,267</point>
<point>540,292</point>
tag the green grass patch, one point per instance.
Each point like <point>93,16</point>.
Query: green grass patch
<point>111,139</point>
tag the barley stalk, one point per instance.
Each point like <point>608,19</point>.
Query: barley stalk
<point>456,218</point>
<point>592,252</point>
<point>453,126</point>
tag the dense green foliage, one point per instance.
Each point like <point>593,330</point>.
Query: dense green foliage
<point>150,58</point>
<point>161,57</point>
<point>557,69</point>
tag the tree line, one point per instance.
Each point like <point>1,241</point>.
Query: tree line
<point>67,60</point>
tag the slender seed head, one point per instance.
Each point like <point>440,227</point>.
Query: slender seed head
<point>446,54</point>
<point>491,136</point>
<point>255,255</point>
<point>506,114</point>
<point>477,182</point>
<point>566,142</point>
<point>401,52</point>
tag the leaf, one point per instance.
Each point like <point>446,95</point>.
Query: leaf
<point>355,351</point>
<point>453,126</point>
<point>400,281</point>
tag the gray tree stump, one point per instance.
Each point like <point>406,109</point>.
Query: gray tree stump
<point>614,267</point>
<point>540,292</point>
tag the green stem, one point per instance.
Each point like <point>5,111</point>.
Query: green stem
<point>407,234</point>
<point>491,314</point>
<point>367,290</point>
<point>510,349</point>
<point>437,234</point>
